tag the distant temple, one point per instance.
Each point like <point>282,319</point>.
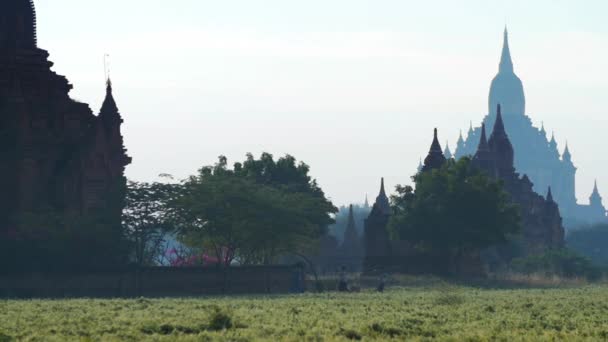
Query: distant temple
<point>55,153</point>
<point>377,242</point>
<point>541,220</point>
<point>542,227</point>
<point>536,156</point>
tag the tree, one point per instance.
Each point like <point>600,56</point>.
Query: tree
<point>591,242</point>
<point>145,219</point>
<point>253,212</point>
<point>456,210</point>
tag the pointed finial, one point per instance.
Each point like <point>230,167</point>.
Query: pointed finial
<point>499,125</point>
<point>382,190</point>
<point>483,141</point>
<point>553,142</point>
<point>550,196</point>
<point>447,153</point>
<point>595,186</point>
<point>542,129</point>
<point>506,64</point>
<point>436,146</point>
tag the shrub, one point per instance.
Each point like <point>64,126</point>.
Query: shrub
<point>220,320</point>
<point>351,335</point>
<point>5,338</point>
<point>562,262</point>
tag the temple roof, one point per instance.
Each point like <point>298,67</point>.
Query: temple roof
<point>17,24</point>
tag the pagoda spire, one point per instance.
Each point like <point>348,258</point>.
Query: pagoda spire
<point>109,113</point>
<point>483,141</point>
<point>543,132</point>
<point>435,159</point>
<point>382,203</point>
<point>567,156</point>
<point>501,147</point>
<point>447,152</point>
<point>550,196</point>
<point>351,235</point>
<point>596,198</point>
<point>506,63</point>
<point>499,124</point>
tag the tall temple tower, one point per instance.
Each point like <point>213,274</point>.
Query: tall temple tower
<point>535,155</point>
<point>55,154</point>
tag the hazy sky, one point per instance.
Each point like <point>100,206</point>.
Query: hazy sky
<point>352,87</point>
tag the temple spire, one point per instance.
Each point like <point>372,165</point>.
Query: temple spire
<point>351,235</point>
<point>596,198</point>
<point>550,196</point>
<point>447,152</point>
<point>567,156</point>
<point>435,159</point>
<point>499,125</point>
<point>506,63</point>
<point>109,113</point>
<point>483,142</point>
<point>382,203</point>
<point>500,146</point>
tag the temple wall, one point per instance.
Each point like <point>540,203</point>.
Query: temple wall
<point>149,282</point>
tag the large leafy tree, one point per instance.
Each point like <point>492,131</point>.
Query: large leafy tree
<point>254,212</point>
<point>145,220</point>
<point>456,210</point>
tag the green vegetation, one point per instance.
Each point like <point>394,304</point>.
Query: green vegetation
<point>456,210</point>
<point>562,263</point>
<point>254,212</point>
<point>591,242</point>
<point>440,312</point>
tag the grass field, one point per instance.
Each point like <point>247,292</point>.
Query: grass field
<point>440,312</point>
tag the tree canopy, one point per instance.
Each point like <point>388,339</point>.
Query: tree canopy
<point>456,209</point>
<point>253,212</point>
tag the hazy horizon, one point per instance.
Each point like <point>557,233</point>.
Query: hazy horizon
<point>353,88</point>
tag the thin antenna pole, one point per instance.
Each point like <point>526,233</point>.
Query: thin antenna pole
<point>106,67</point>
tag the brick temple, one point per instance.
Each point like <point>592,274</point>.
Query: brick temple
<point>56,154</point>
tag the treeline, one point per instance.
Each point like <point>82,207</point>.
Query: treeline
<point>251,212</point>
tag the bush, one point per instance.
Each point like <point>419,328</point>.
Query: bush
<point>562,262</point>
<point>220,320</point>
<point>5,338</point>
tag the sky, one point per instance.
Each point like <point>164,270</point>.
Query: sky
<point>353,88</point>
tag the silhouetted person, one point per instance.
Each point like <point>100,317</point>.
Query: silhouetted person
<point>343,282</point>
<point>382,284</point>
